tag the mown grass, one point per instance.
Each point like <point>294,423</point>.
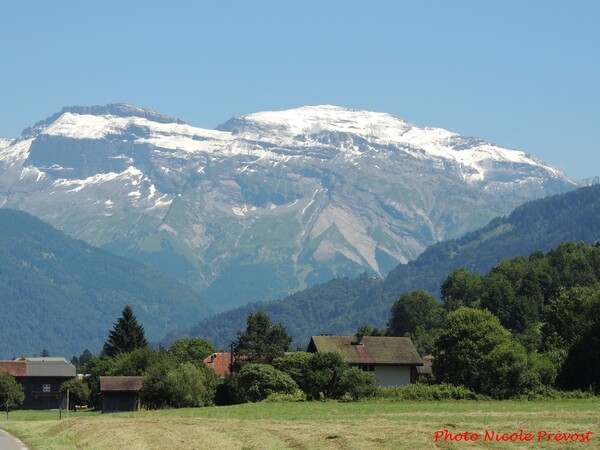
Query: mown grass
<point>372,424</point>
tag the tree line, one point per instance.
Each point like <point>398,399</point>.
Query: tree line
<point>528,326</point>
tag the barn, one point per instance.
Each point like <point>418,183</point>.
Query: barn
<point>41,379</point>
<point>120,393</point>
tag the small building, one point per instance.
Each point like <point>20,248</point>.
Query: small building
<point>41,379</point>
<point>120,394</point>
<point>219,362</point>
<point>393,360</point>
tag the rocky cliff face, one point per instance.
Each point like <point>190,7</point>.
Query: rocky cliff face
<point>267,203</point>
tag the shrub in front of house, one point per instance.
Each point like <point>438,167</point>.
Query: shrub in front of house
<point>255,382</point>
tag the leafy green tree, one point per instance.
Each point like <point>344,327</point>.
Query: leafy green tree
<point>581,369</point>
<point>11,392</point>
<point>569,316</point>
<point>169,384</point>
<point>541,373</point>
<point>414,311</point>
<point>127,335</point>
<point>505,370</point>
<point>133,363</point>
<point>419,315</point>
<point>324,375</point>
<point>261,342</point>
<point>255,382</point>
<point>461,288</point>
<point>191,350</point>
<point>469,336</point>
<point>498,296</point>
<point>79,392</point>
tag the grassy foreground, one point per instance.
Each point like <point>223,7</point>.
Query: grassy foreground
<point>375,424</point>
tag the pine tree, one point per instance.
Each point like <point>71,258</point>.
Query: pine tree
<point>127,335</point>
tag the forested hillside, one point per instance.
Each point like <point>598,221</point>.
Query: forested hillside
<point>62,295</point>
<point>341,305</point>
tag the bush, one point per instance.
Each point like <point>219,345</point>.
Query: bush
<point>505,373</point>
<point>418,391</point>
<point>171,385</point>
<point>326,375</point>
<point>255,382</point>
<point>357,384</point>
<point>297,366</point>
<point>79,392</point>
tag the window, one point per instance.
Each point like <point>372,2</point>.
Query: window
<point>367,368</point>
<point>46,388</point>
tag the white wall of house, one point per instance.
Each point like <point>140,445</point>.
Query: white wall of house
<point>392,375</point>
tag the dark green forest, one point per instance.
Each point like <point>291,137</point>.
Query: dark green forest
<point>528,325</point>
<point>61,294</point>
<point>340,306</point>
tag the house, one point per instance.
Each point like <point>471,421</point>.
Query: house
<point>41,379</point>
<point>120,393</point>
<point>393,360</point>
<point>219,362</point>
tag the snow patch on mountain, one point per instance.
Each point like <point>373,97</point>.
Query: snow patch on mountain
<point>132,176</point>
<point>303,127</point>
<point>15,153</point>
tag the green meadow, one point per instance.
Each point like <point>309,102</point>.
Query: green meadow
<point>374,424</point>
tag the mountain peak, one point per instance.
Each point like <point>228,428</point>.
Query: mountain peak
<point>121,110</point>
<point>112,109</point>
<point>315,119</point>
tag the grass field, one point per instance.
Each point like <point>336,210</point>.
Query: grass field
<point>373,424</point>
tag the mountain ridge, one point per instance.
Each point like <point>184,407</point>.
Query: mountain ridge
<point>268,203</point>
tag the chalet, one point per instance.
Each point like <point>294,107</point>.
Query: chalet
<point>41,379</point>
<point>393,360</point>
<point>120,393</point>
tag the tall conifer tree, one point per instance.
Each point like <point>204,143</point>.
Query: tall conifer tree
<point>127,335</point>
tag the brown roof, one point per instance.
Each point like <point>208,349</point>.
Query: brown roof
<point>15,368</point>
<point>121,384</point>
<point>397,351</point>
<point>219,362</point>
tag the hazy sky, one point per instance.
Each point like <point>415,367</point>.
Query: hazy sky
<point>521,74</point>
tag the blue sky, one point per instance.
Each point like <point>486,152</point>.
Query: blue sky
<point>521,74</point>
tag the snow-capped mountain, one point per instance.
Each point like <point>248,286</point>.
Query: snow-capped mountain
<point>269,202</point>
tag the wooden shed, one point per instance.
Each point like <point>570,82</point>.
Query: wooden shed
<point>120,393</point>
